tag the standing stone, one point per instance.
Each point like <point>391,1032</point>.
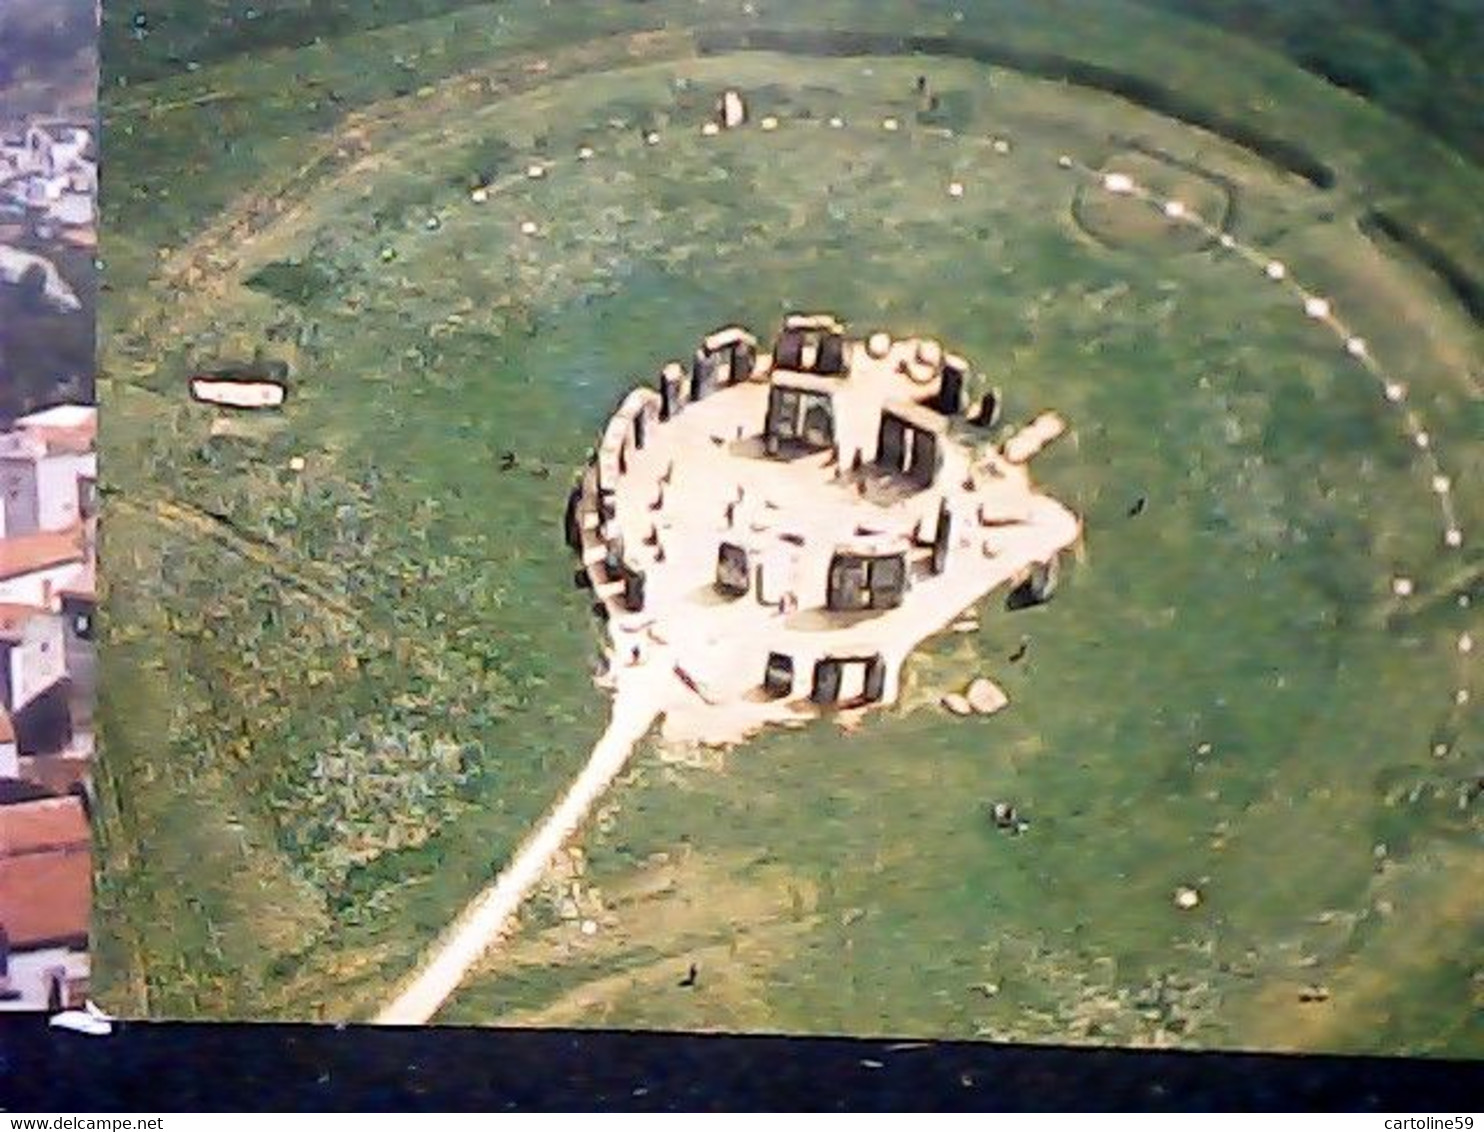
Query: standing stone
<point>732,111</point>
<point>830,360</point>
<point>925,459</point>
<point>891,442</point>
<point>950,398</point>
<point>826,682</point>
<point>702,374</point>
<point>573,525</point>
<point>782,421</point>
<point>778,677</point>
<point>613,563</point>
<point>633,589</point>
<point>744,359</point>
<point>672,381</point>
<point>991,406</point>
<point>789,353</point>
<point>942,538</point>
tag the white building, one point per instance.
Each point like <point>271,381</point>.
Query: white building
<point>48,471</point>
<point>33,654</point>
<point>36,568</point>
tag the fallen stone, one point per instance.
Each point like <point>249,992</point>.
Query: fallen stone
<point>957,704</point>
<point>238,394</point>
<point>985,697</point>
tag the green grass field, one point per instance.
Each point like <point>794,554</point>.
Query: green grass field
<point>336,698</point>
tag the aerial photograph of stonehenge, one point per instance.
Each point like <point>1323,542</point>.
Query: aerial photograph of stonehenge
<point>930,519</point>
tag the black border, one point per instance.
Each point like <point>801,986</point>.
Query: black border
<point>189,1067</point>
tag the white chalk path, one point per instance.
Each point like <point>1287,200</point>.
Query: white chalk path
<point>488,915</point>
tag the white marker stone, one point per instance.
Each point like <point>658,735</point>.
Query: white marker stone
<point>889,124</point>
<point>1422,439</point>
<point>837,123</point>
<point>1118,183</point>
<point>1000,145</point>
<point>528,227</point>
<point>1453,537</point>
<point>710,129</point>
<point>480,195</point>
<point>1402,587</point>
<point>955,189</point>
<point>1276,270</point>
<point>296,463</point>
<point>1441,484</point>
<point>1316,307</point>
<point>733,110</point>
<point>1461,697</point>
<point>585,153</point>
<point>535,171</point>
<point>770,123</point>
<point>1226,240</point>
<point>1187,898</point>
<point>651,138</point>
<point>1356,347</point>
<point>1395,393</point>
<point>1466,642</point>
<point>1064,161</point>
<point>1174,209</point>
<point>589,927</point>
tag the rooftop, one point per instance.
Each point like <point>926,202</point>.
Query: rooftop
<point>62,416</point>
<point>71,428</point>
<point>45,872</point>
<point>28,554</point>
